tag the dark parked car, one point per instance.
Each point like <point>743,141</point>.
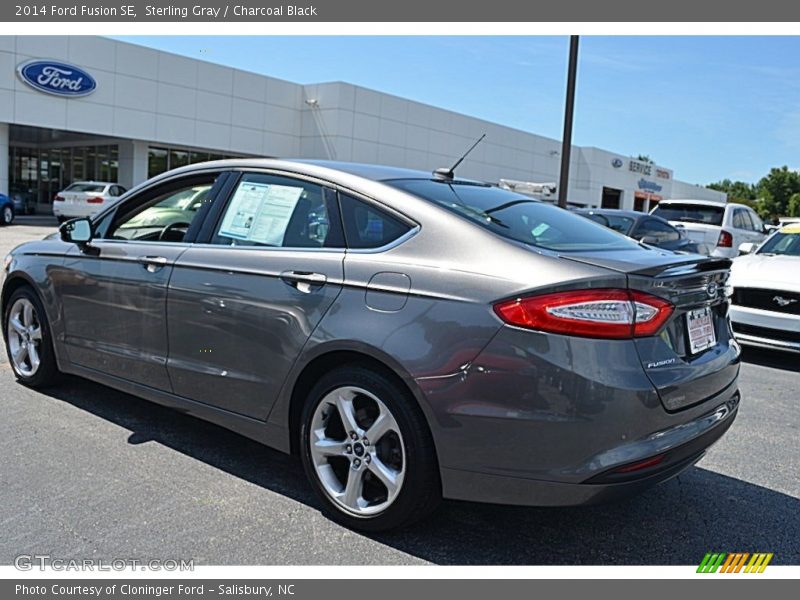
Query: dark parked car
<point>6,210</point>
<point>411,336</point>
<point>645,228</point>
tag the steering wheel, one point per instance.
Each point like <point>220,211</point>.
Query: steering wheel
<point>172,226</point>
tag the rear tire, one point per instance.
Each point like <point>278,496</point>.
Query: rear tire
<point>29,341</point>
<point>367,484</point>
<point>6,215</point>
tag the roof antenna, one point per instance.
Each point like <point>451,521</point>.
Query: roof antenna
<point>449,174</point>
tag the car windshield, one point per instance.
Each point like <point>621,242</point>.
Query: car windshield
<point>690,213</point>
<point>86,187</point>
<point>615,222</point>
<point>186,200</point>
<point>782,243</point>
<point>515,216</point>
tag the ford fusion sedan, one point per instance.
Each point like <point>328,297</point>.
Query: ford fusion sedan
<point>410,336</point>
<point>766,292</point>
<point>720,227</point>
<point>84,199</point>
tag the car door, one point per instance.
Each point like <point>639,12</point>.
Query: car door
<point>113,291</point>
<point>758,233</point>
<point>243,303</point>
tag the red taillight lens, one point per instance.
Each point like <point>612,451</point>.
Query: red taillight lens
<point>95,200</point>
<point>58,198</point>
<point>644,464</point>
<point>725,239</point>
<point>601,313</point>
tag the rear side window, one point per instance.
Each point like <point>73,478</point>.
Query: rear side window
<point>368,227</point>
<point>691,213</point>
<point>517,217</point>
<point>275,211</point>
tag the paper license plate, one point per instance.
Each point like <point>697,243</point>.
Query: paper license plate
<point>700,324</point>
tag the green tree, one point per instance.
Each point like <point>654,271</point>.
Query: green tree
<point>738,191</point>
<point>776,189</point>
<point>645,159</point>
<point>793,209</point>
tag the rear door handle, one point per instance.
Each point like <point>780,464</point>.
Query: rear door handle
<point>153,263</point>
<point>304,281</point>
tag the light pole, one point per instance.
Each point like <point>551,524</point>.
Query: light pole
<point>569,109</point>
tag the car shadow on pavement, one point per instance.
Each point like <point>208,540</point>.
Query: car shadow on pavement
<point>675,523</point>
<point>786,361</point>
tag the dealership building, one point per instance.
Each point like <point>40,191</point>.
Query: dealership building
<point>78,108</point>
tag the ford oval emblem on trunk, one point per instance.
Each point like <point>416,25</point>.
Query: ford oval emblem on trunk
<point>53,77</point>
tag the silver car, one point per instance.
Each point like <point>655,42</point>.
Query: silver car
<point>411,336</point>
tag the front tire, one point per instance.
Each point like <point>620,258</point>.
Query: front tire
<point>29,341</point>
<point>368,452</point>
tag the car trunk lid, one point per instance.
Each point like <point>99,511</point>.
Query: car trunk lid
<point>684,373</point>
<point>699,232</point>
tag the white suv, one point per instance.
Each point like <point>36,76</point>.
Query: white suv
<point>717,228</point>
<point>85,198</point>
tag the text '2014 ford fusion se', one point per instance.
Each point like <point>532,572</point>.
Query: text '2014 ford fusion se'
<point>410,336</point>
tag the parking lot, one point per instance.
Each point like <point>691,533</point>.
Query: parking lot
<point>91,472</point>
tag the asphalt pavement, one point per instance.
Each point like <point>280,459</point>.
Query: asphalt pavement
<point>91,472</point>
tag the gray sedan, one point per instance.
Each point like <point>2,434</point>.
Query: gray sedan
<point>411,336</point>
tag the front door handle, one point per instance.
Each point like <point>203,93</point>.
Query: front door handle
<point>153,263</point>
<point>304,281</point>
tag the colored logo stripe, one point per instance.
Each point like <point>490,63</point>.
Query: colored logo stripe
<point>734,562</point>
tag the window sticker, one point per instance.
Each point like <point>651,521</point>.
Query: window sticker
<point>260,213</point>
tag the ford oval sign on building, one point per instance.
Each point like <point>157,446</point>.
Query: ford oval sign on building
<point>53,77</point>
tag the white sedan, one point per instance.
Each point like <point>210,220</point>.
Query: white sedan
<point>765,310</point>
<point>85,198</point>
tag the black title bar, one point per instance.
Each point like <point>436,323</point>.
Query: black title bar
<point>410,11</point>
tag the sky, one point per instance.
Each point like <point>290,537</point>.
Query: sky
<point>708,107</point>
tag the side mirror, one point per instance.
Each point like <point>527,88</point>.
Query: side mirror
<point>746,248</point>
<point>649,239</point>
<point>77,231</point>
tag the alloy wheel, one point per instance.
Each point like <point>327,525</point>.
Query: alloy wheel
<point>8,215</point>
<point>357,451</point>
<point>24,335</point>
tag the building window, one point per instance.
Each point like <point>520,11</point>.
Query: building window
<point>157,161</point>
<point>160,160</point>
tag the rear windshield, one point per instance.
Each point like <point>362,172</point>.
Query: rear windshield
<point>691,213</point>
<point>615,222</point>
<point>515,216</point>
<point>85,187</point>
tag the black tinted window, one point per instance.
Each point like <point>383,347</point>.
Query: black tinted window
<point>691,213</point>
<point>516,216</point>
<point>368,227</point>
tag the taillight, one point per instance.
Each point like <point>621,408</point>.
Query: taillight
<point>725,239</point>
<point>58,198</point>
<point>600,313</point>
<point>95,200</point>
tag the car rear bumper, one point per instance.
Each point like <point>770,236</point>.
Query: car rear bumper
<point>541,419</point>
<point>681,447</point>
<point>72,211</point>
<point>766,329</point>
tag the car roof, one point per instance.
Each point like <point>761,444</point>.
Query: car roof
<point>620,212</point>
<point>701,202</point>
<point>92,182</point>
<point>371,172</point>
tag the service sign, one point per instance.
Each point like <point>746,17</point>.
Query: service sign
<point>53,77</point>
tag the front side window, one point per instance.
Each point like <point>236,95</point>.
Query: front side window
<point>517,217</point>
<point>165,218</point>
<point>275,211</point>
